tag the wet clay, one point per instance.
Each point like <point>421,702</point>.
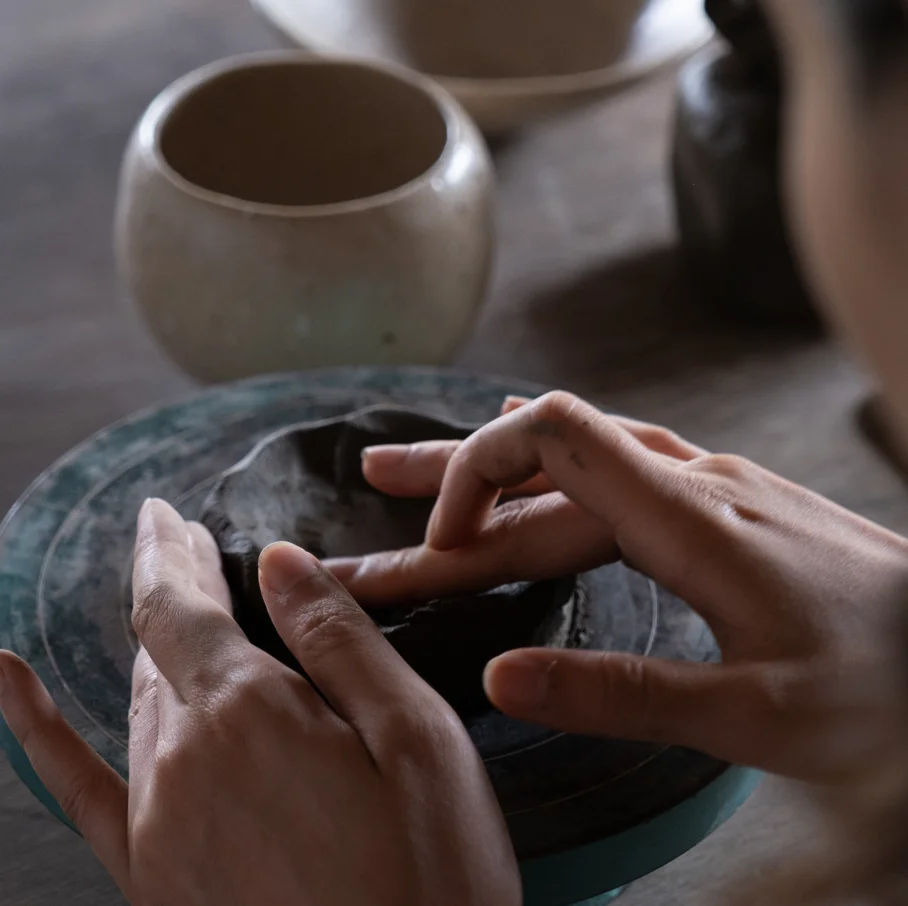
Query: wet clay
<point>305,484</point>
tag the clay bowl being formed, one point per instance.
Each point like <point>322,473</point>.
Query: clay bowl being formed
<point>305,484</point>
<point>283,211</point>
<point>509,62</point>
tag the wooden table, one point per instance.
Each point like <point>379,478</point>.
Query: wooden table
<point>586,296</point>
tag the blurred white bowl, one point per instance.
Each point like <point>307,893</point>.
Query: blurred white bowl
<point>509,62</point>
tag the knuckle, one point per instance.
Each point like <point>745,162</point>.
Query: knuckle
<point>255,696</point>
<point>419,733</point>
<point>205,675</point>
<point>732,489</point>
<point>218,668</point>
<point>242,696</point>
<point>657,436</point>
<point>152,601</point>
<point>466,450</point>
<point>401,561</point>
<point>733,468</point>
<point>324,627</point>
<point>76,800</point>
<point>558,405</point>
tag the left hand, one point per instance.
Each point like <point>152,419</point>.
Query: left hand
<point>249,785</point>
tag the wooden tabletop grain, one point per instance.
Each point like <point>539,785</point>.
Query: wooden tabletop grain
<point>587,296</point>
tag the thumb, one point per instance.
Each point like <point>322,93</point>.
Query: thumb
<point>91,794</point>
<point>644,699</point>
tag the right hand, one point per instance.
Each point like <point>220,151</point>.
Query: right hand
<point>797,590</point>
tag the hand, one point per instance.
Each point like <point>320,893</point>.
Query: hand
<point>247,784</point>
<point>796,590</point>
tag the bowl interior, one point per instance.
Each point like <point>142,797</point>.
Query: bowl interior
<point>303,133</point>
<point>306,485</point>
<point>477,39</point>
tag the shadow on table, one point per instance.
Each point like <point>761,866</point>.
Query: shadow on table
<point>638,321</point>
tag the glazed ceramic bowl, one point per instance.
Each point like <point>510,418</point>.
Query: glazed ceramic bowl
<point>282,211</point>
<point>508,62</point>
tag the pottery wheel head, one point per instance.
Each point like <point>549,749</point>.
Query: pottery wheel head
<point>66,556</point>
<point>305,484</point>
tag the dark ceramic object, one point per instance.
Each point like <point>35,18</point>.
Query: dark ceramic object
<point>305,484</point>
<point>726,174</point>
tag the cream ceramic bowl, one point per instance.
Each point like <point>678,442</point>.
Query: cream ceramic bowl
<point>281,211</point>
<point>508,62</point>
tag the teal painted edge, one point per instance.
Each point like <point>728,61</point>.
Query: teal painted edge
<point>582,874</point>
<point>26,773</point>
<point>605,898</point>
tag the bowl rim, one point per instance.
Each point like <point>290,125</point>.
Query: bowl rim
<point>148,132</point>
<point>356,414</point>
<point>512,88</point>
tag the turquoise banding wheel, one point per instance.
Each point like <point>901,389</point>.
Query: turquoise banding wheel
<point>64,577</point>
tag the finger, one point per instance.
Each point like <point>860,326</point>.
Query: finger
<point>711,708</point>
<point>190,637</point>
<point>408,470</point>
<point>530,540</point>
<point>417,470</point>
<point>587,455</point>
<point>666,518</point>
<point>639,504</point>
<point>513,403</point>
<point>659,439</point>
<point>206,560</point>
<point>656,438</point>
<point>340,648</point>
<point>90,793</point>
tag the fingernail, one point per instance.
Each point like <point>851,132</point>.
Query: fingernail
<point>387,456</point>
<point>519,681</point>
<point>283,566</point>
<point>514,401</point>
<point>147,513</point>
